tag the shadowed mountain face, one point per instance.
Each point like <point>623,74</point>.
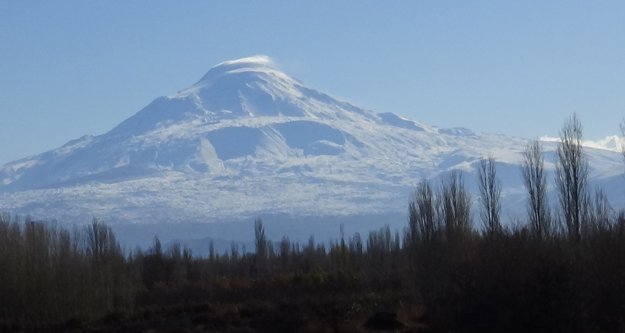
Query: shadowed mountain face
<point>246,140</point>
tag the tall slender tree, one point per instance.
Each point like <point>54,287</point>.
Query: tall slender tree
<point>260,238</point>
<point>622,139</point>
<point>455,207</point>
<point>423,222</point>
<point>533,170</point>
<point>602,211</point>
<point>490,196</point>
<point>572,177</point>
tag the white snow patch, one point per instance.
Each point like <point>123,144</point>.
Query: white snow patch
<point>613,143</point>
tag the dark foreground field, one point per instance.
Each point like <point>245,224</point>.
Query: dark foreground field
<point>302,313</point>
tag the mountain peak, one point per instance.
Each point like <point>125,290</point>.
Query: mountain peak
<point>253,64</point>
<point>253,61</point>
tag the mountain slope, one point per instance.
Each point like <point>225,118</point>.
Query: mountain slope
<point>245,140</point>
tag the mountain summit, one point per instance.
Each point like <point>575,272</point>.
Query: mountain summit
<point>247,139</point>
<point>258,64</point>
<point>237,89</point>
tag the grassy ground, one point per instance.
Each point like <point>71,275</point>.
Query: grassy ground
<point>273,313</point>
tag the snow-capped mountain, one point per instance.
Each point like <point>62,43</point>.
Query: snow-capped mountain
<point>246,140</point>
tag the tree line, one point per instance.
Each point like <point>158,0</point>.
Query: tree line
<point>560,269</point>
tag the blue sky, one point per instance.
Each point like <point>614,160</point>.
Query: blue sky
<point>69,68</point>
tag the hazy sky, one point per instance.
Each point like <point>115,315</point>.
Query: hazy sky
<point>69,68</point>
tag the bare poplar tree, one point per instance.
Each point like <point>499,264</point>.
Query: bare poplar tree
<point>490,196</point>
<point>101,242</point>
<point>533,170</point>
<point>622,139</point>
<point>572,177</point>
<point>455,206</point>
<point>422,213</point>
<point>260,240</point>
<point>602,211</point>
<point>622,143</point>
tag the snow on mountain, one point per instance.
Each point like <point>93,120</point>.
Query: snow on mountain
<point>613,143</point>
<point>246,140</point>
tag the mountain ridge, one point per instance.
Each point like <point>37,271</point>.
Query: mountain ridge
<point>247,139</point>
